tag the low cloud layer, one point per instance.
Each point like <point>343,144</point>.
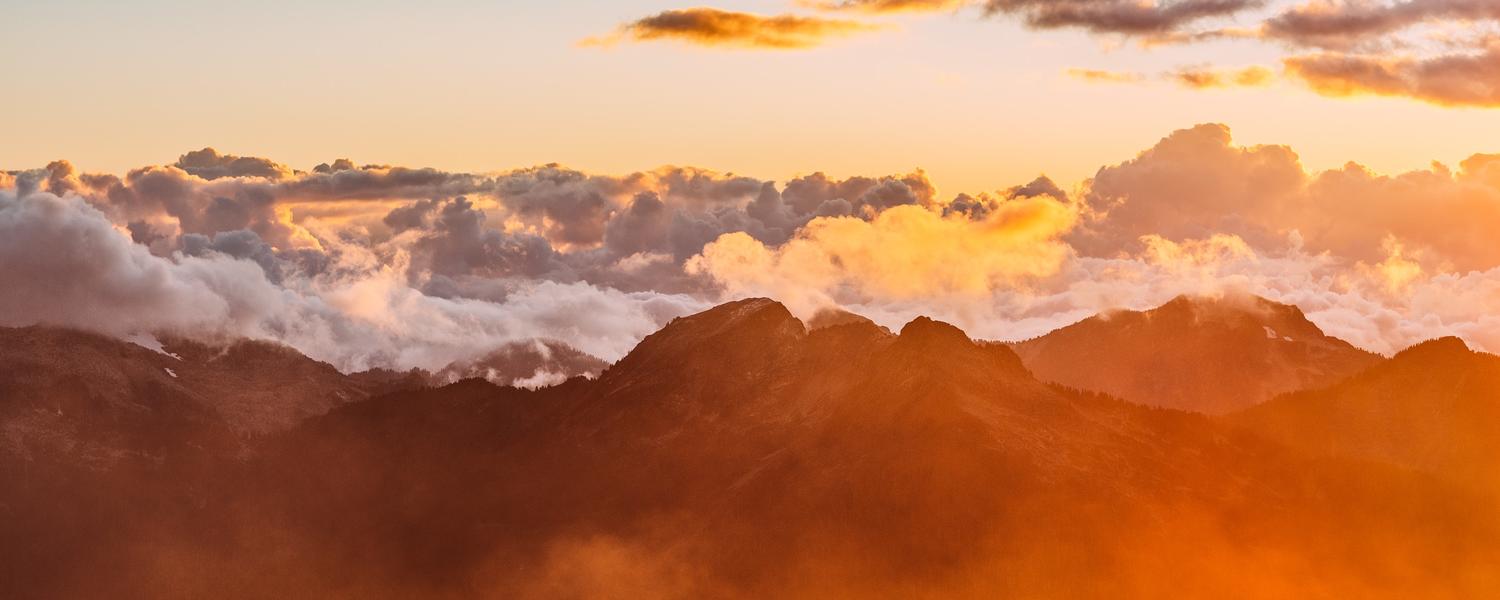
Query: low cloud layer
<point>380,266</point>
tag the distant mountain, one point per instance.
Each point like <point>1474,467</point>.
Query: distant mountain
<point>253,387</point>
<point>529,364</point>
<point>1434,408</point>
<point>1202,354</point>
<point>739,453</point>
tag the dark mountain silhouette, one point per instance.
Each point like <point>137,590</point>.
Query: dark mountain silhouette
<point>253,387</point>
<point>1434,408</point>
<point>1201,354</point>
<point>737,453</point>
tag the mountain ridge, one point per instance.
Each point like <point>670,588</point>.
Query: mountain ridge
<point>1213,355</point>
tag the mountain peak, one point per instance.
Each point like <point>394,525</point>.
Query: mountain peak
<point>1209,354</point>
<point>834,317</point>
<point>1438,348</point>
<point>925,329</point>
<point>729,332</point>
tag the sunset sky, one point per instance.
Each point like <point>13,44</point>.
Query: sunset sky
<point>979,102</point>
<point>407,184</point>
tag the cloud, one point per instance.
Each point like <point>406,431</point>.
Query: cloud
<point>887,6</point>
<point>1096,16</point>
<point>383,266</point>
<point>209,164</point>
<point>1196,182</point>
<point>1101,76</point>
<point>906,252</point>
<point>1346,25</point>
<point>1449,80</point>
<point>1438,51</point>
<point>1199,78</point>
<point>719,28</point>
<point>1116,16</point>
<point>79,270</point>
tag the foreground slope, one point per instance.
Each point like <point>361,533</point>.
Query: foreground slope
<point>1433,408</point>
<point>1212,355</point>
<point>738,454</point>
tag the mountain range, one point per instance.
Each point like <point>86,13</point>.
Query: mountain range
<point>1213,355</point>
<point>740,453</point>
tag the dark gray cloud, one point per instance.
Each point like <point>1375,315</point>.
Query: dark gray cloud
<point>1096,16</point>
<point>1347,25</point>
<point>242,244</point>
<point>1466,79</point>
<point>1117,16</point>
<point>458,244</point>
<point>210,164</point>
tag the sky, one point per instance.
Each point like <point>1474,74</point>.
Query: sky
<point>980,103</point>
<point>410,185</point>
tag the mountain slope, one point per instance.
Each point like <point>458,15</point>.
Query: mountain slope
<point>737,453</point>
<point>1201,354</point>
<point>1434,408</point>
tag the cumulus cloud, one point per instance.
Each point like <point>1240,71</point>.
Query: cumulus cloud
<point>379,266</point>
<point>720,28</point>
<point>904,253</point>
<point>210,164</point>
<point>72,267</point>
<point>1196,183</point>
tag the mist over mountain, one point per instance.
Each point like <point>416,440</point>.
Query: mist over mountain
<point>1208,354</point>
<point>735,453</point>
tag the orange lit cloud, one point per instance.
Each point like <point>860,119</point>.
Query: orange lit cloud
<point>1102,76</point>
<point>1202,78</point>
<point>1450,80</point>
<point>906,252</point>
<point>887,6</point>
<point>725,29</point>
<point>1198,78</point>
<point>392,266</point>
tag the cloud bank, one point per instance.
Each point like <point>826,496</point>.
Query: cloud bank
<point>394,267</point>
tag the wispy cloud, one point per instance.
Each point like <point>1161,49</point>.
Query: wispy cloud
<point>1103,76</point>
<point>725,29</point>
<point>1449,80</point>
<point>887,6</point>
<point>1198,78</point>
